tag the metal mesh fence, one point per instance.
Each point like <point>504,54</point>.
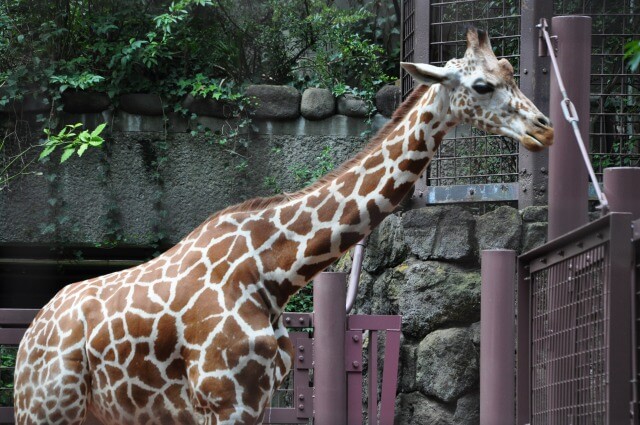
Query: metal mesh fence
<point>470,156</point>
<point>408,41</point>
<point>615,91</point>
<point>569,323</point>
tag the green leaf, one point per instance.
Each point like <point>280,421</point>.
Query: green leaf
<point>67,154</point>
<point>81,149</point>
<point>98,130</point>
<point>46,151</point>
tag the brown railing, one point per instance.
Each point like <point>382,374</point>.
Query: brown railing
<point>574,327</point>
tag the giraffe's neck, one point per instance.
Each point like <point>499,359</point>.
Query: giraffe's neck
<point>327,221</point>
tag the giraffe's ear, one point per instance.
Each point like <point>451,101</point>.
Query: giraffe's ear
<point>429,74</point>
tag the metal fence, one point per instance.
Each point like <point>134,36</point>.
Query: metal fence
<point>574,318</point>
<point>470,157</point>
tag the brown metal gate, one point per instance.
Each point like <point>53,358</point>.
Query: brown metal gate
<point>574,327</point>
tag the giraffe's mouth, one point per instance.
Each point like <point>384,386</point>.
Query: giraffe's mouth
<point>531,143</point>
<point>537,140</point>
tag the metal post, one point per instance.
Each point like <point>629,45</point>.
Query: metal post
<point>568,177</point>
<point>497,337</point>
<point>330,378</point>
<point>622,190</point>
<point>534,83</point>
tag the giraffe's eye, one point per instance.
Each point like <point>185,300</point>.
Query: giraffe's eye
<point>483,87</point>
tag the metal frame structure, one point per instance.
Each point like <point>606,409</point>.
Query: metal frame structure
<point>614,129</point>
<point>574,327</point>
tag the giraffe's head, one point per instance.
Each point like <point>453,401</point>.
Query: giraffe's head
<point>483,93</point>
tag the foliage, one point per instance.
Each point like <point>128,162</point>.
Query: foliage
<point>302,301</point>
<point>71,142</point>
<point>7,364</point>
<point>632,53</point>
<point>323,163</point>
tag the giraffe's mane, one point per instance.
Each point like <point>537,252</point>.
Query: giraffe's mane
<point>259,203</point>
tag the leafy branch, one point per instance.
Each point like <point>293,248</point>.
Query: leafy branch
<point>71,142</point>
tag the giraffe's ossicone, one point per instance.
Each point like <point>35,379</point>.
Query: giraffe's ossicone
<point>195,335</point>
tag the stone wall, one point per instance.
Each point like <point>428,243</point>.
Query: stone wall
<point>424,265</point>
<point>160,177</point>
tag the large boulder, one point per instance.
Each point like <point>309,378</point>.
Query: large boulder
<point>433,294</point>
<point>388,99</point>
<point>468,410</point>
<point>407,378</point>
<point>386,290</point>
<point>448,364</point>
<point>317,104</point>
<point>499,229</point>
<point>534,235</point>
<point>534,214</point>
<point>440,233</point>
<point>274,102</point>
<point>386,247</point>
<point>352,106</point>
<point>416,409</point>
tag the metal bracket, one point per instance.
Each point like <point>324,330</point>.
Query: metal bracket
<point>353,351</point>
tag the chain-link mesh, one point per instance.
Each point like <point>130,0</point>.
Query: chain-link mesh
<point>615,91</point>
<point>468,155</point>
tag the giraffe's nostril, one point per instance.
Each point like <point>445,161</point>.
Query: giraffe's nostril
<point>542,121</point>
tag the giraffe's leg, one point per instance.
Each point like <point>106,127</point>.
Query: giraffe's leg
<point>51,378</point>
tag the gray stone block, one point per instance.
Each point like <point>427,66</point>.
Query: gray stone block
<point>126,122</point>
<point>433,294</point>
<point>336,125</point>
<point>534,235</point>
<point>499,229</point>
<point>439,233</point>
<point>386,247</point>
<point>534,214</point>
<point>468,410</point>
<point>274,102</point>
<point>317,104</point>
<point>416,409</point>
<point>408,358</point>
<point>448,364</point>
<point>388,99</point>
<point>352,106</point>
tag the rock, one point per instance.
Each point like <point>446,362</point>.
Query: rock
<point>534,235</point>
<point>388,99</point>
<point>149,104</point>
<point>499,229</point>
<point>364,300</point>
<point>535,213</point>
<point>468,410</point>
<point>386,289</point>
<point>352,106</point>
<point>433,294</point>
<point>447,364</point>
<point>407,379</point>
<point>439,233</point>
<point>317,104</point>
<point>416,409</point>
<point>208,107</point>
<point>274,102</point>
<point>474,329</point>
<point>385,247</point>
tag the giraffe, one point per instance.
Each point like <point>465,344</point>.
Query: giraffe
<point>195,336</point>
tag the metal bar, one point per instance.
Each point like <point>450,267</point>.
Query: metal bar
<point>353,366</point>
<point>622,189</point>
<point>282,415</point>
<point>619,338</point>
<point>17,316</point>
<point>534,83</point>
<point>372,378</point>
<point>567,174</point>
<point>492,192</point>
<point>11,335</point>
<point>374,322</point>
<point>523,406</point>
<point>6,415</point>
<point>389,377</point>
<point>571,115</point>
<point>354,277</point>
<point>330,381</point>
<point>497,333</point>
